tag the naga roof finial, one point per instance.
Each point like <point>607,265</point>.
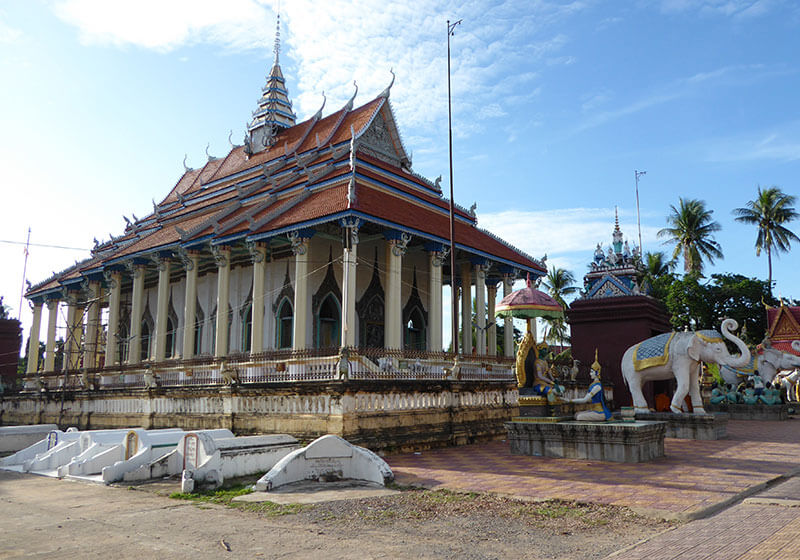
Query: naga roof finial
<point>385,92</point>
<point>186,168</point>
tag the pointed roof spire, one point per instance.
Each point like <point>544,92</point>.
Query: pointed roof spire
<point>274,112</point>
<point>277,47</point>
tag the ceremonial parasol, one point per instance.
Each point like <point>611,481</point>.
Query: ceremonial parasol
<point>529,303</point>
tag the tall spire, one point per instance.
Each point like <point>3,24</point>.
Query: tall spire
<point>274,112</point>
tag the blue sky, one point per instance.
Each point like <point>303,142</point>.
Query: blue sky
<point>555,104</point>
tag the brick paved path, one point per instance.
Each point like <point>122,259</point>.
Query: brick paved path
<point>746,531</point>
<point>693,480</point>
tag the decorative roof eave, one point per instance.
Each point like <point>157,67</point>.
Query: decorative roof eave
<point>388,117</point>
<point>458,216</point>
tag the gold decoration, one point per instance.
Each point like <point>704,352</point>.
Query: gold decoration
<point>522,353</point>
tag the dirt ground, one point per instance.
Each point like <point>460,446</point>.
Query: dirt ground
<point>47,518</point>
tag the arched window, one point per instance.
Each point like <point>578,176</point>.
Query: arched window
<point>247,327</point>
<point>415,330</point>
<point>199,319</point>
<point>122,342</point>
<point>170,345</point>
<point>144,352</point>
<point>328,322</point>
<point>285,324</point>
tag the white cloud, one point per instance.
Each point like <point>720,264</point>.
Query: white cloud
<point>165,26</point>
<point>739,9</point>
<point>8,34</point>
<point>567,235</point>
<point>329,44</point>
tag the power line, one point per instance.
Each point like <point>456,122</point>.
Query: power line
<point>43,245</point>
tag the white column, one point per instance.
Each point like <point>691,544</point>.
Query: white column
<point>491,333</point>
<point>508,322</point>
<point>349,259</point>
<point>137,308</point>
<point>258,252</point>
<point>92,326</point>
<point>456,295</point>
<point>480,309</point>
<point>222,256</point>
<point>74,334</point>
<point>50,345</point>
<point>33,341</point>
<point>393,311</point>
<point>190,305</point>
<point>162,309</point>
<point>466,309</point>
<point>300,330</point>
<point>435,301</point>
<point>114,280</point>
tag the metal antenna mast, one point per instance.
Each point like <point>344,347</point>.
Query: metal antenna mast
<point>453,290</point>
<point>638,216</point>
<point>24,273</point>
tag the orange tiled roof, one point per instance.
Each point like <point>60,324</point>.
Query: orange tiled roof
<point>302,177</point>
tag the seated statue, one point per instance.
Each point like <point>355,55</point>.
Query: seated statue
<point>599,411</point>
<point>749,396</point>
<point>771,396</point>
<point>758,383</point>
<point>732,395</point>
<point>544,385</point>
<point>718,396</point>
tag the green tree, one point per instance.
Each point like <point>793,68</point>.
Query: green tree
<point>4,310</point>
<point>771,209</point>
<point>658,274</point>
<point>693,305</point>
<point>559,283</point>
<point>691,229</point>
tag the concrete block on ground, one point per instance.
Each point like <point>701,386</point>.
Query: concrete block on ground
<point>760,411</point>
<point>15,438</point>
<point>621,442</point>
<point>328,458</point>
<point>709,426</point>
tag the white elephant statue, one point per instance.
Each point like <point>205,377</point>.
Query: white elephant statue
<point>788,381</point>
<point>768,363</point>
<point>679,355</point>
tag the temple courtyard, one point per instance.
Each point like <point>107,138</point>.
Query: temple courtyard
<point>730,498</point>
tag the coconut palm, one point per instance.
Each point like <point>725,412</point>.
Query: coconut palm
<point>656,265</point>
<point>559,283</point>
<point>691,230</point>
<point>768,212</point>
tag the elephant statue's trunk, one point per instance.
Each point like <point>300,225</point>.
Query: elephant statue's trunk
<point>796,345</point>
<point>728,326</point>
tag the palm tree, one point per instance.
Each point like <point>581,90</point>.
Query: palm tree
<point>768,212</point>
<point>657,265</point>
<point>559,283</point>
<point>691,229</point>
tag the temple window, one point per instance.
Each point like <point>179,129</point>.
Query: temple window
<point>328,322</point>
<point>285,324</point>
<point>415,331</point>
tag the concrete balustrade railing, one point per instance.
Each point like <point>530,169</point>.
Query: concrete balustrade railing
<point>280,367</point>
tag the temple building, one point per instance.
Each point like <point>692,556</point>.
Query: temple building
<point>310,236</point>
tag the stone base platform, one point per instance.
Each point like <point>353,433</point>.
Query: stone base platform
<point>741,411</point>
<point>621,442</point>
<point>708,426</point>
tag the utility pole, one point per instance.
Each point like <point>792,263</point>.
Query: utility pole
<point>638,215</point>
<point>453,290</point>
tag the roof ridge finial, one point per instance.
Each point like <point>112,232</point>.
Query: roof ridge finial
<point>616,218</point>
<point>277,46</point>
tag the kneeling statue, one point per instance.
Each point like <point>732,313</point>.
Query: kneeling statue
<point>599,411</point>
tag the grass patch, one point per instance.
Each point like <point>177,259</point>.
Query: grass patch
<point>225,497</point>
<point>221,496</point>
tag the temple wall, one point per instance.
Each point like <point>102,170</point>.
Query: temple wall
<point>389,415</point>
